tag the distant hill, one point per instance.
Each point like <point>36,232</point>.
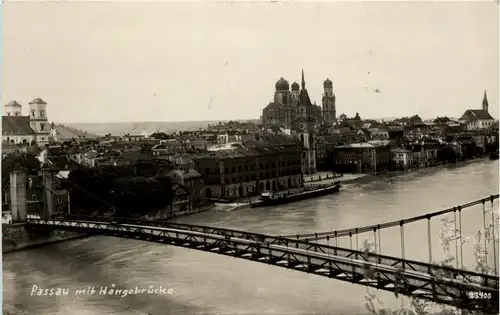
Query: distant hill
<point>147,127</point>
<point>66,132</point>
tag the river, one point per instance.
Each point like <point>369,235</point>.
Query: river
<point>206,283</point>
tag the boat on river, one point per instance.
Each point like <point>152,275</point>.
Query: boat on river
<point>272,198</point>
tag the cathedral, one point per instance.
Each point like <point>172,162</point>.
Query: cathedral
<point>31,129</point>
<point>293,111</point>
<point>284,110</point>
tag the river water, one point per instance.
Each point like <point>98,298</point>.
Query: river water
<point>206,283</point>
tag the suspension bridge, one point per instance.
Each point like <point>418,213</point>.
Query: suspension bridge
<point>445,284</point>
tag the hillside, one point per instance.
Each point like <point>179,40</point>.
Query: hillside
<point>147,127</point>
<point>66,132</point>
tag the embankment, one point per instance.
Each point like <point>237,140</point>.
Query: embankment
<point>17,237</point>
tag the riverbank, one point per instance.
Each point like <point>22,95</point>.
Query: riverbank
<point>439,164</point>
<point>16,237</point>
<point>327,177</point>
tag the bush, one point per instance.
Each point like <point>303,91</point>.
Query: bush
<point>447,235</point>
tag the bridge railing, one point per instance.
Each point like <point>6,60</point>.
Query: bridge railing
<point>369,228</point>
<point>404,264</point>
<point>437,288</point>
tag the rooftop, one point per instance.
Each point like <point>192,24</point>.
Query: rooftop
<point>356,146</point>
<point>16,125</point>
<point>474,114</point>
<point>13,103</point>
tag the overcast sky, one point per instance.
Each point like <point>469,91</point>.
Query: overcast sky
<point>103,62</point>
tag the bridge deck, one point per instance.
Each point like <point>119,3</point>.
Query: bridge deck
<point>416,279</point>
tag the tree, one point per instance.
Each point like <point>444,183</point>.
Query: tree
<point>441,120</point>
<point>446,154</point>
<point>119,188</point>
<point>19,161</point>
<point>159,136</point>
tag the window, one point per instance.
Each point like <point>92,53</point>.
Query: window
<point>33,113</point>
<point>42,113</point>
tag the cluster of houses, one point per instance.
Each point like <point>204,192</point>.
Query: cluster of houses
<point>235,159</point>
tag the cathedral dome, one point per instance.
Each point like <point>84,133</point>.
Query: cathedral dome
<point>295,86</point>
<point>282,85</point>
<point>328,83</point>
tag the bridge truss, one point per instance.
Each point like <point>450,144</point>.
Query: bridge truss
<point>436,283</point>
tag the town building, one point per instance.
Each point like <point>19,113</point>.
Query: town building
<point>477,119</point>
<point>31,129</point>
<point>402,158</point>
<point>271,163</point>
<point>192,183</point>
<point>361,158</point>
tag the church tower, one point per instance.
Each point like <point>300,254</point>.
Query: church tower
<point>305,131</point>
<point>13,109</point>
<point>329,110</point>
<point>485,102</point>
<point>295,91</point>
<point>39,121</point>
<point>283,99</point>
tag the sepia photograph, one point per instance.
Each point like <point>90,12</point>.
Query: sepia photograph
<point>250,157</point>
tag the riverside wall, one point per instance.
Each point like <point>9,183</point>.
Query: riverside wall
<point>18,236</point>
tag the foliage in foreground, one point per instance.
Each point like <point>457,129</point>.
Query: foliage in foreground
<point>447,235</point>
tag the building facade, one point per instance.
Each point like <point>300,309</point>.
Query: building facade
<point>477,119</point>
<point>361,158</point>
<point>34,128</point>
<point>259,166</point>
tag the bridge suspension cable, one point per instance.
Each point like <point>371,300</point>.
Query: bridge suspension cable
<point>363,229</point>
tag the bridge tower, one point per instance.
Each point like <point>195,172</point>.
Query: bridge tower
<point>49,188</point>
<point>18,196</point>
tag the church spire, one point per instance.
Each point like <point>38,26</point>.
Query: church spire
<point>303,81</point>
<point>485,102</point>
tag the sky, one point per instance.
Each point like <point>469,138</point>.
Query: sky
<point>185,61</point>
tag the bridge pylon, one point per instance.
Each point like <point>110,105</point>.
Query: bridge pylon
<point>18,196</point>
<point>49,187</point>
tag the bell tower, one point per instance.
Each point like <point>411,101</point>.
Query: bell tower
<point>305,131</point>
<point>39,120</point>
<point>485,102</point>
<point>13,109</point>
<point>329,111</point>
